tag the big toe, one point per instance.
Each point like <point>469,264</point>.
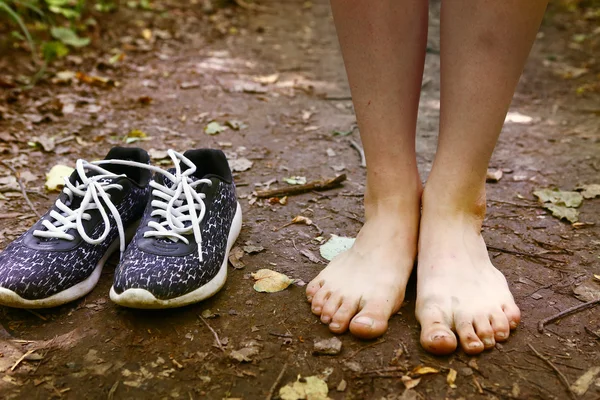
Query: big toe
<point>370,323</point>
<point>436,335</point>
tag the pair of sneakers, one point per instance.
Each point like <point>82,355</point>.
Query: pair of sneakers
<point>182,223</point>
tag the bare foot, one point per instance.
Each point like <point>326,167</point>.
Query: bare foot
<point>363,287</point>
<point>458,288</point>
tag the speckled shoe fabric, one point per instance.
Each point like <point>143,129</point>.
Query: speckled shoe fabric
<point>61,257</point>
<point>179,254</point>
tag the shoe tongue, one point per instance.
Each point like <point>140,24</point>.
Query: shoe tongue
<point>163,179</point>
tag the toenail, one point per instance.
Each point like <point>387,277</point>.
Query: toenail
<point>438,336</point>
<point>488,342</point>
<point>501,335</point>
<point>334,326</point>
<point>474,345</point>
<point>513,324</point>
<point>325,319</point>
<point>364,321</point>
<point>317,309</point>
<point>309,298</point>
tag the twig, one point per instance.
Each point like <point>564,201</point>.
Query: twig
<point>37,314</point>
<point>382,371</point>
<point>113,389</point>
<point>274,386</point>
<point>299,189</point>
<point>567,312</point>
<point>520,253</point>
<point>510,203</point>
<point>21,359</point>
<point>283,335</point>
<point>214,334</point>
<point>562,377</point>
<point>253,7</point>
<point>22,186</point>
<point>361,152</point>
<point>365,347</point>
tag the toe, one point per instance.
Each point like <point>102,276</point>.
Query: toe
<point>500,324</point>
<point>484,331</point>
<point>319,300</point>
<point>331,306</point>
<point>436,335</point>
<point>370,322</point>
<point>513,314</point>
<point>469,340</point>
<point>341,319</point>
<point>313,287</point>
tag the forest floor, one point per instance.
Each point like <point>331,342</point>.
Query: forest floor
<point>277,68</point>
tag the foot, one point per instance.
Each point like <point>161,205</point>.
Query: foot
<point>461,296</point>
<point>364,286</point>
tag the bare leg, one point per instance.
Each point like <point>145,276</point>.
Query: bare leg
<point>383,44</point>
<point>484,45</point>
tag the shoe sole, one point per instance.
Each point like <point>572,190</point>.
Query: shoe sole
<point>11,299</point>
<point>141,298</point>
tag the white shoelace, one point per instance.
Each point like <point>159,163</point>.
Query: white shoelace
<point>92,189</point>
<point>177,204</point>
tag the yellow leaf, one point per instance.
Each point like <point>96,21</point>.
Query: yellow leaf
<point>409,382</point>
<point>451,378</point>
<point>422,370</point>
<point>299,219</point>
<point>55,178</point>
<point>147,34</point>
<point>311,388</point>
<point>268,281</point>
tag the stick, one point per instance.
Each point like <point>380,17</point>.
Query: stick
<point>567,312</point>
<point>214,334</point>
<point>519,253</point>
<point>562,377</point>
<point>113,389</point>
<point>299,189</point>
<point>361,152</point>
<point>274,386</point>
<point>21,359</point>
<point>22,186</point>
<point>253,7</point>
<point>591,332</point>
<point>365,347</point>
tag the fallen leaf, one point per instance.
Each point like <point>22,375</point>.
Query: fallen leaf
<point>299,219</point>
<point>560,212</point>
<point>295,180</point>
<point>582,384</point>
<point>190,85</point>
<point>309,254</point>
<point>590,191</point>
<point>135,135</point>
<point>409,382</point>
<point>95,80</point>
<point>309,388</point>
<point>158,154</point>
<point>334,246</point>
<point>329,347</point>
<point>341,387</point>
<point>588,290</point>
<point>422,370</point>
<point>147,34</point>
<point>330,153</point>
<point>214,128</point>
<point>55,178</point>
<point>235,258</point>
<point>47,143</point>
<point>266,79</point>
<point>558,197</point>
<point>268,281</point>
<point>451,378</point>
<point>517,118</point>
<point>240,164</point>
<point>64,77</point>
<point>251,249</point>
<point>208,314</point>
<point>247,352</point>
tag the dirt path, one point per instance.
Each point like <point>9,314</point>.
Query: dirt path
<point>94,349</point>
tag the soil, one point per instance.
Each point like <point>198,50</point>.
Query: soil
<point>198,66</point>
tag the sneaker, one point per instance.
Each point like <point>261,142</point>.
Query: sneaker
<point>61,257</point>
<point>179,254</point>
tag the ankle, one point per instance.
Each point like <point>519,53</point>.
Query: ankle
<point>449,201</point>
<point>406,201</point>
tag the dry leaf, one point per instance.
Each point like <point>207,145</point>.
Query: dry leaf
<point>422,370</point>
<point>409,382</point>
<point>266,79</point>
<point>494,175</point>
<point>55,178</point>
<point>269,281</point>
<point>299,219</point>
<point>583,383</point>
<point>590,191</point>
<point>235,258</point>
<point>451,378</point>
<point>309,388</point>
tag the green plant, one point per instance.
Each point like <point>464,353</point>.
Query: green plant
<point>12,14</point>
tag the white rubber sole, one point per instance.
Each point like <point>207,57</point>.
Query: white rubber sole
<point>11,299</point>
<point>141,298</point>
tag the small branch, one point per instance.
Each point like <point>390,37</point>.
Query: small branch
<point>567,312</point>
<point>365,347</point>
<point>562,377</point>
<point>591,332</point>
<point>21,359</point>
<point>361,152</point>
<point>274,386</point>
<point>299,189</point>
<point>214,334</point>
<point>22,186</point>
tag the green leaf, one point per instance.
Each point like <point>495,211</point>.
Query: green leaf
<point>69,37</point>
<point>15,17</point>
<point>213,128</point>
<point>562,212</point>
<point>335,246</point>
<point>295,180</point>
<point>558,197</point>
<point>53,50</point>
